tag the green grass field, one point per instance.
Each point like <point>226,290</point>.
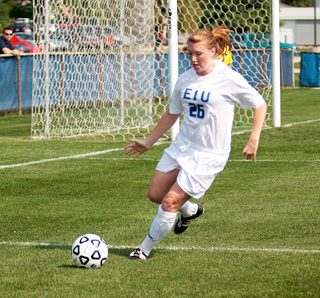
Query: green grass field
<point>259,236</point>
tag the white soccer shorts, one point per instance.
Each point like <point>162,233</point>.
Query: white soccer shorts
<point>198,168</point>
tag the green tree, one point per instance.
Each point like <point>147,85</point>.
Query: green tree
<point>238,15</point>
<point>5,19</point>
<point>189,15</point>
<point>299,3</point>
<point>21,9</point>
<point>12,9</point>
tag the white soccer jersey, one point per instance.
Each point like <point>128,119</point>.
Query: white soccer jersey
<point>208,103</point>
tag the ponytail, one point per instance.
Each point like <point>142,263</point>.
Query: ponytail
<point>222,39</point>
<point>217,38</point>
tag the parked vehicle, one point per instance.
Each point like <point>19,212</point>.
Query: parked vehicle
<point>20,23</point>
<point>70,36</point>
<point>255,40</point>
<point>26,46</point>
<point>54,43</point>
<point>91,37</point>
<point>87,36</point>
<point>24,36</point>
<point>112,36</point>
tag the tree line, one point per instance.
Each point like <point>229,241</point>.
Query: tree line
<point>12,9</point>
<point>247,13</point>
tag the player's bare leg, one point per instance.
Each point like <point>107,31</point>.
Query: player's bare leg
<point>159,188</point>
<point>160,185</point>
<point>163,222</point>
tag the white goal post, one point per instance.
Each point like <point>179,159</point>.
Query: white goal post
<point>276,95</point>
<point>109,66</point>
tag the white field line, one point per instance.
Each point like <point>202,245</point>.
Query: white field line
<point>175,248</point>
<point>271,127</point>
<point>58,158</point>
<point>120,149</point>
<point>274,160</point>
<point>64,158</point>
<point>297,123</point>
<point>230,160</point>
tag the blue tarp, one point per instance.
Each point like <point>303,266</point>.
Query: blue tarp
<point>287,67</point>
<point>86,77</point>
<point>9,82</point>
<point>310,70</point>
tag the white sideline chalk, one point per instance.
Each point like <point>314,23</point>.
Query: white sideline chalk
<point>120,149</point>
<point>174,248</point>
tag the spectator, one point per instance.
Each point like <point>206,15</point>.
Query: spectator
<point>5,45</point>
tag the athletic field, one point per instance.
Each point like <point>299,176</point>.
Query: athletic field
<point>259,235</point>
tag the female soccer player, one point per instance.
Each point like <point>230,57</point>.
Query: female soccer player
<point>207,94</point>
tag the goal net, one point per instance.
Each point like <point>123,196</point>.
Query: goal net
<point>105,69</point>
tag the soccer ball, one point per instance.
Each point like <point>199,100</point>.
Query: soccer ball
<point>89,251</point>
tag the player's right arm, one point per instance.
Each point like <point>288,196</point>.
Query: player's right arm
<point>251,148</point>
<point>139,146</point>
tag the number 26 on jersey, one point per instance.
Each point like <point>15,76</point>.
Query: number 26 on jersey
<point>196,110</point>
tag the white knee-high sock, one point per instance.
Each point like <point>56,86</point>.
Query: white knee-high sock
<point>160,227</point>
<point>189,209</point>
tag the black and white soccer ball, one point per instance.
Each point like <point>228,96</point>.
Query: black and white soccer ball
<point>89,251</point>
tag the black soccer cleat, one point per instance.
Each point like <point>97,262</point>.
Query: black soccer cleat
<point>138,254</point>
<point>184,222</point>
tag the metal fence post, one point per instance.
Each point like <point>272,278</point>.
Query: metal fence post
<point>19,85</point>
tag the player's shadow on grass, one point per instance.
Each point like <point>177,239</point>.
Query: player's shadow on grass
<point>122,252</point>
<point>125,252</point>
<point>72,266</point>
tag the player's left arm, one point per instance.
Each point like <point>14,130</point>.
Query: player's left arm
<point>250,150</point>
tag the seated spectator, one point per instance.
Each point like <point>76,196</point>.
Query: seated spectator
<point>5,45</point>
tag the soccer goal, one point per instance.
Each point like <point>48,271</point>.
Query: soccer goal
<point>109,66</point>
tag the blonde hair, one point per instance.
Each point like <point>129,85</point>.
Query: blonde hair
<point>217,38</point>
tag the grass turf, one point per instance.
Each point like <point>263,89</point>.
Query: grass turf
<point>259,236</point>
